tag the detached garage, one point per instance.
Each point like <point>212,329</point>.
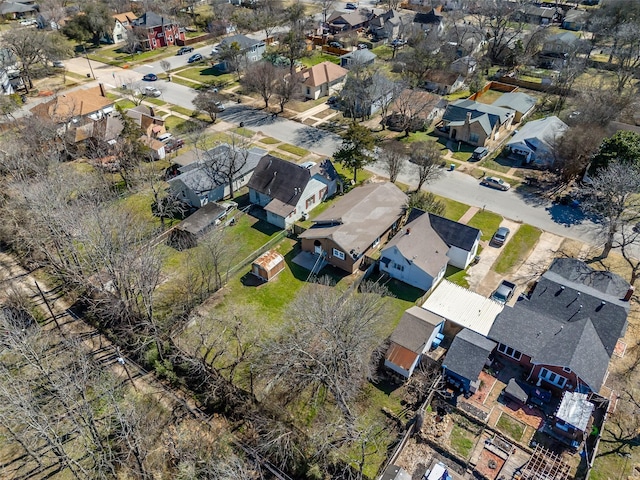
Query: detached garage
<point>268,265</point>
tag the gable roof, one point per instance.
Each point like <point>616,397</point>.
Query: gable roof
<point>565,323</point>
<point>575,15</point>
<point>151,19</point>
<point>468,353</point>
<point>199,176</point>
<point>351,18</point>
<point>201,219</point>
<point>539,132</point>
<point>401,356</point>
<point>125,17</point>
<point>518,101</point>
<point>432,17</point>
<point>453,233</point>
<point>415,328</point>
<point>325,72</point>
<point>487,115</point>
<point>243,41</point>
<point>360,217</point>
<point>75,103</point>
<point>463,307</point>
<point>362,56</point>
<point>566,38</point>
<point>15,7</point>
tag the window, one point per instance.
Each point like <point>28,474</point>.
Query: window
<point>119,37</point>
<point>338,254</point>
<point>154,42</point>
<point>376,242</point>
<point>509,352</point>
<point>397,266</point>
<point>323,193</point>
<point>170,38</point>
<point>473,137</point>
<point>310,201</point>
<point>553,378</point>
<point>566,369</point>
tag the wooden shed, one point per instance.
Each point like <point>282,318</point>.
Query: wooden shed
<point>268,265</point>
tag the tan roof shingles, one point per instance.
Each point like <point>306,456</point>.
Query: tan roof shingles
<point>325,72</point>
<point>125,17</point>
<point>79,102</point>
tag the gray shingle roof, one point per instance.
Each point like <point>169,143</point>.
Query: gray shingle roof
<point>243,41</point>
<point>539,132</point>
<point>468,353</point>
<point>518,101</point>
<point>151,19</point>
<point>201,219</point>
<point>487,115</point>
<point>415,328</point>
<point>362,56</point>
<point>564,326</point>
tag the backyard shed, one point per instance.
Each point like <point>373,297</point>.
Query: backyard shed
<point>187,232</point>
<point>268,265</point>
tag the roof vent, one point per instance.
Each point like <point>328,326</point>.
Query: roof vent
<point>629,294</point>
<point>562,288</point>
<point>408,231</point>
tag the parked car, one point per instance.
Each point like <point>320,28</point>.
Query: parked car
<point>504,292</point>
<point>194,58</point>
<point>336,45</point>
<point>58,63</point>
<point>150,77</point>
<point>165,137</point>
<point>351,6</point>
<point>183,50</point>
<point>333,100</point>
<point>28,22</point>
<point>479,153</point>
<point>173,144</point>
<point>500,236</point>
<point>215,50</point>
<point>495,182</point>
<point>219,106</point>
<point>398,42</point>
<point>363,46</point>
<point>151,92</point>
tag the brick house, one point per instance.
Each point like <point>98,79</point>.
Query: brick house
<point>160,31</point>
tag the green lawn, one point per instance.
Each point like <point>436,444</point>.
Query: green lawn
<point>384,52</point>
<point>186,83</point>
<point>461,441</point>
<point>517,249</point>
<point>179,125</point>
<point>298,151</point>
<point>462,156</point>
<point>126,104</point>
<point>453,210</point>
<point>244,132</point>
<point>457,276</point>
<point>492,164</point>
<point>208,75</point>
<point>510,426</point>
<point>487,222</point>
<point>303,106</point>
<point>347,174</point>
<point>182,110</point>
<point>319,57</point>
<point>269,141</point>
<point>155,101</point>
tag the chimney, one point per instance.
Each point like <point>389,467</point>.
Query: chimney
<point>468,119</point>
<point>629,294</point>
<point>102,92</point>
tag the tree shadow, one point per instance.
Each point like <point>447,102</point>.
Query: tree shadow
<point>310,136</point>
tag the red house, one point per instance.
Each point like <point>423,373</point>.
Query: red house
<point>160,31</point>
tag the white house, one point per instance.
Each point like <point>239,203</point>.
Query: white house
<point>419,254</point>
<point>122,26</point>
<point>414,336</point>
<point>199,183</point>
<point>288,191</point>
<point>322,80</point>
<point>534,141</point>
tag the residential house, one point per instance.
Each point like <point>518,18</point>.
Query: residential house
<point>357,224</point>
<point>357,58</point>
<point>422,107</point>
<point>145,118</point>
<point>420,252</point>
<point>187,233</point>
<point>537,15</point>
<point>461,308</point>
<point>572,419</point>
<point>575,20</point>
<point>123,24</point>
<point>287,191</point>
<point>564,333</point>
<point>432,21</point>
<point>251,50</point>
<point>465,39</point>
<point>413,337</point>
<point>534,142</point>
<point>556,49</point>
<point>16,9</point>
<point>340,21</point>
<point>322,80</point>
<point>465,359</point>
<point>160,31</point>
<point>80,114</point>
<point>393,472</point>
<point>8,72</point>
<point>443,82</point>
<point>521,103</point>
<point>155,146</point>
<point>202,182</point>
<point>475,123</point>
<point>390,24</point>
<point>464,65</point>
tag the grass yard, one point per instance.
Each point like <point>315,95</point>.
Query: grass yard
<point>487,222</point>
<point>207,74</point>
<point>461,441</point>
<point>347,174</point>
<point>489,97</point>
<point>384,52</point>
<point>182,110</point>
<point>493,164</point>
<point>319,57</point>
<point>517,249</point>
<point>510,427</point>
<point>125,104</point>
<point>457,95</point>
<point>300,107</point>
<point>294,150</point>
<point>462,155</point>
<point>179,125</point>
<point>185,82</point>
<point>284,156</point>
<point>244,132</point>
<point>457,276</point>
<point>269,141</point>
<point>453,210</point>
<point>155,101</point>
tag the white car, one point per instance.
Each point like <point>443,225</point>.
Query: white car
<point>27,22</point>
<point>151,92</point>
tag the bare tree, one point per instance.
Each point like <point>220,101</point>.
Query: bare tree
<point>612,195</point>
<point>261,77</point>
<point>424,56</point>
<point>426,201</point>
<point>208,100</point>
<point>496,19</point>
<point>572,151</point>
<point>224,162</point>
<point>628,242</point>
<point>327,342</point>
<point>393,156</point>
<point>427,157</point>
<point>165,65</point>
<point>287,88</point>
<point>626,53</point>
<point>326,6</point>
<point>409,110</point>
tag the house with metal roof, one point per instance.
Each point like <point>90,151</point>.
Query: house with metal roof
<point>566,330</point>
<point>465,359</point>
<point>534,142</point>
<point>475,123</point>
<point>419,254</point>
<point>356,225</point>
<point>287,191</point>
<point>521,103</point>
<point>206,180</point>
<point>415,335</point>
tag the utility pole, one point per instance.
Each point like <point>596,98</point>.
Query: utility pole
<point>88,61</point>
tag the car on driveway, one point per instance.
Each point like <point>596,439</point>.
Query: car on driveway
<point>352,6</point>
<point>500,236</point>
<point>335,44</point>
<point>150,77</point>
<point>184,50</point>
<point>151,92</point>
<point>479,153</point>
<point>363,46</point>
<point>194,58</point>
<point>495,182</point>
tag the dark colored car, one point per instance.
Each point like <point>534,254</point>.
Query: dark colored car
<point>479,153</point>
<point>150,77</point>
<point>194,58</point>
<point>352,6</point>
<point>173,144</point>
<point>335,44</point>
<point>184,50</point>
<point>500,236</point>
